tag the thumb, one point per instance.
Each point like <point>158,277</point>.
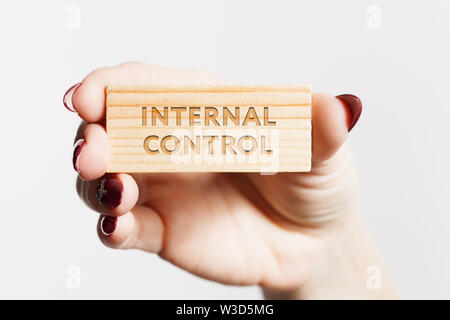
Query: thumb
<point>332,119</point>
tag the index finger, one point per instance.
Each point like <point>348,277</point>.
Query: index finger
<point>89,97</point>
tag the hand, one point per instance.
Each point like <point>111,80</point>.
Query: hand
<point>297,235</point>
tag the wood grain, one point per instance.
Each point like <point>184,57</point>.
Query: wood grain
<point>209,128</point>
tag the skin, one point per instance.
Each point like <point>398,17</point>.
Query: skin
<point>297,235</point>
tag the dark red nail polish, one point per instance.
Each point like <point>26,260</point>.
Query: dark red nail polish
<point>109,192</point>
<point>354,107</point>
<point>108,225</point>
<point>67,99</point>
<point>76,153</point>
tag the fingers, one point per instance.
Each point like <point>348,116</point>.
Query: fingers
<point>88,98</point>
<point>141,229</point>
<point>91,151</point>
<point>112,194</point>
<point>332,118</point>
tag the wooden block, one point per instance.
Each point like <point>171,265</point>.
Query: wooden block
<point>209,128</point>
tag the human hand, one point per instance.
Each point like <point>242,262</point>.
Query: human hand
<point>295,234</point>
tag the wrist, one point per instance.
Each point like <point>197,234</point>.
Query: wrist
<point>346,266</point>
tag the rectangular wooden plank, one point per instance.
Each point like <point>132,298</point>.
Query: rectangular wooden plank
<point>209,128</point>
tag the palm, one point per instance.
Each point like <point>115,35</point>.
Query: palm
<point>233,228</point>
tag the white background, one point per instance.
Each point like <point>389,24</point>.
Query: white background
<point>401,71</point>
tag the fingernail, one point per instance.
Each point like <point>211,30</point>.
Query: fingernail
<point>108,225</point>
<point>76,153</point>
<point>354,107</point>
<point>109,192</point>
<point>67,99</point>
